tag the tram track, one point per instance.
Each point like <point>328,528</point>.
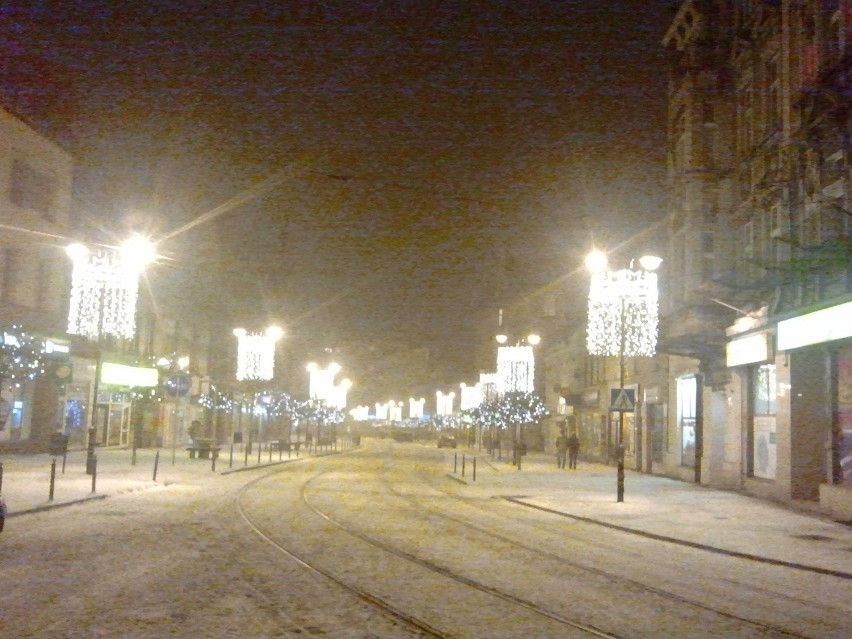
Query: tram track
<point>384,604</point>
<point>307,493</point>
<point>553,557</point>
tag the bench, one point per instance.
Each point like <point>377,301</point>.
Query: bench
<point>277,444</point>
<point>202,451</point>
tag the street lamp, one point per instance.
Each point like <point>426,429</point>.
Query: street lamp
<point>623,320</point>
<point>516,364</point>
<point>104,290</point>
<point>256,359</point>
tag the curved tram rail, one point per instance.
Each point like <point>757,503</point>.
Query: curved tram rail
<point>382,603</point>
<point>615,577</point>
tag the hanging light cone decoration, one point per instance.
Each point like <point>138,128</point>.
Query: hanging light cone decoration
<point>515,369</point>
<point>623,301</point>
<point>105,286</point>
<point>256,354</point>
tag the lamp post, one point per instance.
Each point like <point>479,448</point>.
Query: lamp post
<point>104,290</point>
<point>256,359</point>
<point>623,319</point>
<point>321,388</point>
<point>516,374</point>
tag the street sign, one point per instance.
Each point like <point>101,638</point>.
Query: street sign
<point>178,385</point>
<point>622,400</point>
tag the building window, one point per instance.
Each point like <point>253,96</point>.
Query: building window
<point>687,388</point>
<point>31,189</point>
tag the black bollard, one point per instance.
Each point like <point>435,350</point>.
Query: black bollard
<point>231,460</point>
<point>474,469</point>
<point>619,489</point>
<point>213,456</point>
<point>94,471</point>
<point>64,457</point>
<point>156,463</point>
<point>463,464</point>
<point>245,461</point>
<point>455,463</point>
<point>259,450</point>
<point>270,453</point>
<point>52,478</point>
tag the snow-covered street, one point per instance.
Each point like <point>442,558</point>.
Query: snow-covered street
<point>336,545</point>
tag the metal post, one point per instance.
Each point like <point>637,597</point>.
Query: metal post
<point>1,478</point>
<point>94,474</point>
<point>156,463</point>
<point>474,469</point>
<point>231,459</point>
<point>64,459</point>
<point>52,478</point>
<point>619,436</point>
<point>213,456</point>
<point>455,463</point>
<point>463,464</point>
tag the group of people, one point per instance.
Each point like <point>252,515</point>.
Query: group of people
<point>567,446</point>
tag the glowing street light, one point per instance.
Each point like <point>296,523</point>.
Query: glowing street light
<point>623,321</point>
<point>104,291</point>
<point>444,403</point>
<point>256,353</point>
<point>415,407</point>
<point>321,383</point>
<point>105,287</point>
<point>516,365</point>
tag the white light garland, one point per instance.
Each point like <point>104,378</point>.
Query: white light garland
<point>255,356</point>
<point>104,289</point>
<point>623,309</point>
<point>515,369</point>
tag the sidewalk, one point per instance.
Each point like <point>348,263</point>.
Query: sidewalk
<point>666,510</point>
<point>26,478</point>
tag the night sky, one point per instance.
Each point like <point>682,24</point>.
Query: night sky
<point>393,167</point>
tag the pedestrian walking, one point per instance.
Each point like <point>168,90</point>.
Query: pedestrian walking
<point>573,450</point>
<point>561,449</point>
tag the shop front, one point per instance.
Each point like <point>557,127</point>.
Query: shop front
<point>817,348</point>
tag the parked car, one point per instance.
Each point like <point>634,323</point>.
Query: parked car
<point>446,439</point>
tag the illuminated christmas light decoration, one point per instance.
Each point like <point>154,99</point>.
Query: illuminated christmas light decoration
<point>321,383</point>
<point>21,356</point>
<point>338,394</point>
<point>104,289</point>
<point>444,403</point>
<point>623,313</point>
<point>471,396</point>
<point>360,413</point>
<point>256,354</point>
<point>515,369</point>
<point>415,407</point>
<point>395,411</point>
<point>381,411</point>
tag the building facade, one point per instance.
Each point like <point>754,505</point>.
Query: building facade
<point>758,304</point>
<point>35,200</point>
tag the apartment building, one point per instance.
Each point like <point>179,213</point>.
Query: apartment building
<point>758,295</point>
<point>35,200</point>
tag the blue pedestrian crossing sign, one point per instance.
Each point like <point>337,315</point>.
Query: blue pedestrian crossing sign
<point>622,399</point>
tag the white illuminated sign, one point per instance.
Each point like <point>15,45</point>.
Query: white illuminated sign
<point>748,350</point>
<point>826,325</point>
<point>122,375</point>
